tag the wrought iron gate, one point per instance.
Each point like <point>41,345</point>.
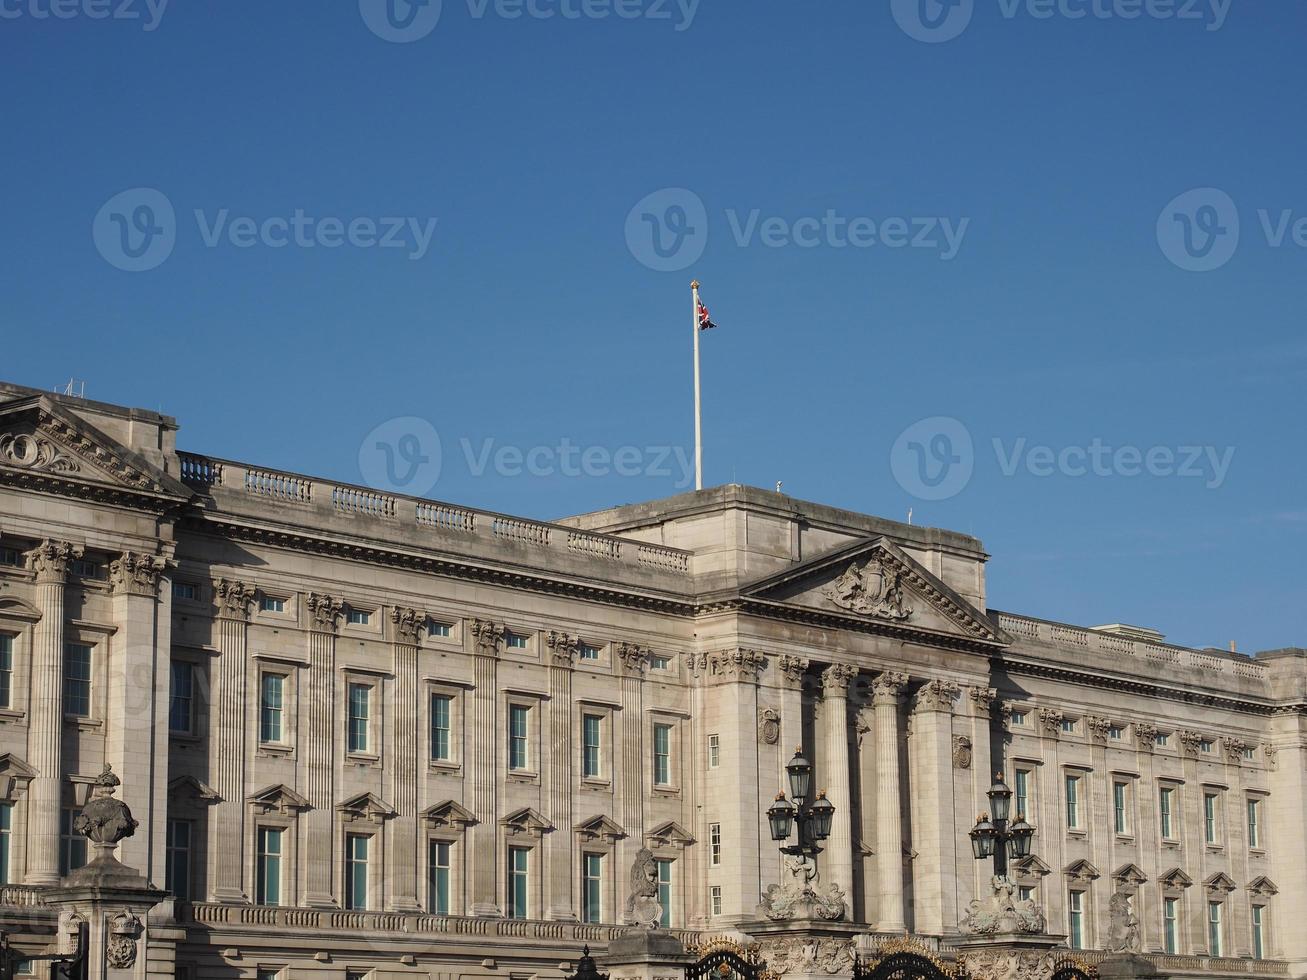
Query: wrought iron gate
<point>900,965</point>
<point>722,964</point>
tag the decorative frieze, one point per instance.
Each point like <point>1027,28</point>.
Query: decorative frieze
<point>803,956</point>
<point>409,624</point>
<point>234,599</point>
<point>50,559</point>
<point>325,612</point>
<point>136,574</point>
<point>562,648</point>
<point>936,695</point>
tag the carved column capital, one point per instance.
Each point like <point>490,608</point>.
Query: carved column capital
<point>324,612</point>
<point>1146,735</point>
<point>136,574</point>
<point>1051,721</point>
<point>888,687</point>
<point>791,668</point>
<point>984,699</point>
<point>409,624</point>
<point>1271,752</point>
<point>1098,728</point>
<point>562,648</point>
<point>1190,742</point>
<point>736,665</point>
<point>50,560</point>
<point>234,599</point>
<point>1233,749</point>
<point>631,657</point>
<point>836,678</point>
<point>487,636</point>
<point>936,695</point>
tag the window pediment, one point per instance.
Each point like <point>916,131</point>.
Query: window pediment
<point>12,607</point>
<point>1129,874</point>
<point>669,834</point>
<point>15,774</point>
<point>189,786</point>
<point>1263,887</point>
<point>1220,882</point>
<point>528,822</point>
<point>1081,871</point>
<point>1175,879</point>
<point>449,814</point>
<point>601,828</point>
<point>365,806</point>
<point>280,798</point>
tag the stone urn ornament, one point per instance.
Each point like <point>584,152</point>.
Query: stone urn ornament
<point>105,821</point>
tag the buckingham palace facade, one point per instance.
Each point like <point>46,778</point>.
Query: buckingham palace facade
<point>369,735</point>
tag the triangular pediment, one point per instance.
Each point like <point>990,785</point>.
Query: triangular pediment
<point>600,827</point>
<point>1175,878</point>
<point>365,806</point>
<point>44,445</point>
<point>1031,867</point>
<point>1081,870</point>
<point>1129,874</point>
<point>15,774</point>
<point>1263,886</point>
<point>527,821</point>
<point>449,813</point>
<point>669,834</point>
<point>877,582</point>
<point>280,797</point>
<point>1220,882</point>
<point>190,786</point>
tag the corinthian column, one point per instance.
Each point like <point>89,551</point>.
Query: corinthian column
<point>835,682</point>
<point>45,733</point>
<point>556,775</point>
<point>887,688</point>
<point>935,901</point>
<point>229,718</point>
<point>482,768</point>
<point>403,852</point>
<point>319,747</point>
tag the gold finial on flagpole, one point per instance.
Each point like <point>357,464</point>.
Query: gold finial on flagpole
<point>695,284</point>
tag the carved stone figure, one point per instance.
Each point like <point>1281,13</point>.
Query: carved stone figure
<point>1123,931</point>
<point>802,896</point>
<point>104,820</point>
<point>642,906</point>
<point>1002,913</point>
<point>872,589</point>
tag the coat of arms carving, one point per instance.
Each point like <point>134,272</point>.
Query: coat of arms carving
<point>872,589</point>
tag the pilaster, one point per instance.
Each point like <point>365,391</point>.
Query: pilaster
<point>483,850</point>
<point>557,778</point>
<point>45,733</point>
<point>887,689</point>
<point>325,613</point>
<point>631,660</point>
<point>404,856</point>
<point>934,897</point>
<point>229,718</point>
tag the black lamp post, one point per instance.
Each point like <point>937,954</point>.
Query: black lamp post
<point>997,838</point>
<point>814,819</point>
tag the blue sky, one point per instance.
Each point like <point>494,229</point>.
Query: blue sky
<point>1068,313</point>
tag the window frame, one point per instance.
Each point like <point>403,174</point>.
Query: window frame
<point>433,867</point>
<point>261,857</point>
<point>1073,804</point>
<point>592,887</point>
<point>1168,813</point>
<point>1215,928</point>
<point>1171,925</point>
<point>171,850</point>
<point>714,845</point>
<point>192,715</point>
<point>515,878</point>
<point>714,750</point>
<point>79,644</point>
<point>1254,822</point>
<point>1122,793</point>
<point>1258,928</point>
<point>283,741</point>
<point>1076,918</point>
<point>357,871</point>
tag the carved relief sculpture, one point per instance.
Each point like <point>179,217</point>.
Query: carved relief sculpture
<point>408,623</point>
<point>769,726</point>
<point>325,612</point>
<point>136,574</point>
<point>1050,721</point>
<point>562,647</point>
<point>961,752</point>
<point>874,589</point>
<point>34,452</point>
<point>234,598</point>
<point>642,906</point>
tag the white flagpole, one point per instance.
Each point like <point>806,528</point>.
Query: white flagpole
<point>698,417</point>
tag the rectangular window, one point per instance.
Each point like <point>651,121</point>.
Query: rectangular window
<point>1115,733</point>
<point>1068,724</point>
<point>271,708</point>
<point>177,859</point>
<point>1259,932</point>
<point>267,877</point>
<point>714,751</point>
<point>660,663</point>
<point>11,556</point>
<point>1209,818</point>
<point>438,878</point>
<point>1248,752</point>
<point>358,617</point>
<point>1254,823</point>
<point>181,703</point>
<point>518,858</point>
<point>1120,813</point>
<point>1018,717</point>
<point>6,840</point>
<point>359,696</point>
<point>589,652</point>
<point>1026,893</point>
<point>268,974</point>
<point>518,718</point>
<point>1215,934</point>
<point>72,845</point>
<point>662,755</point>
<point>183,590</point>
<point>437,628</point>
<point>1166,809</point>
<point>85,569</point>
<point>1021,791</point>
<point>440,732</point>
<point>1171,925</point>
<point>356,871</point>
<point>715,900</point>
<point>77,680</point>
<point>1205,746</point>
<point>272,604</point>
<point>6,671</point>
<point>357,974</point>
<point>590,729</point>
<point>1161,740</point>
<point>515,641</point>
<point>1073,802</point>
<point>592,875</point>
<point>1076,919</point>
<point>665,891</point>
<point>714,844</point>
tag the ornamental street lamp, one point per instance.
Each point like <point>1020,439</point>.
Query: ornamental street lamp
<point>997,838</point>
<point>813,815</point>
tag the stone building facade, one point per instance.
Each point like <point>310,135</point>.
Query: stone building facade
<point>366,734</point>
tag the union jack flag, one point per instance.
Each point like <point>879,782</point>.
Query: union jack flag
<point>705,322</point>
